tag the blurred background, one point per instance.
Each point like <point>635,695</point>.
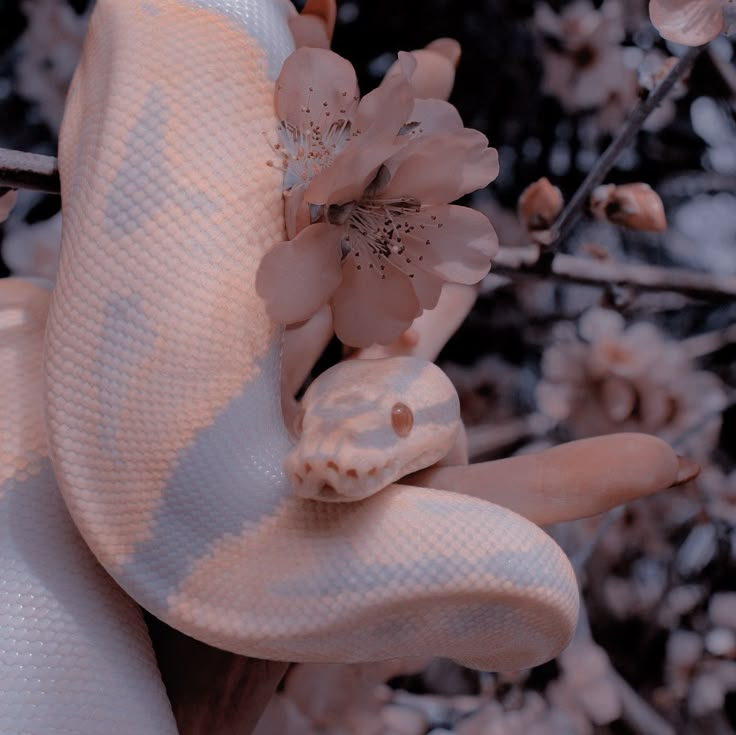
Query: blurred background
<point>536,362</point>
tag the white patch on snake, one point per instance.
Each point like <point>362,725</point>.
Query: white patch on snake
<point>209,495</point>
<point>519,569</point>
<point>127,335</point>
<point>262,21</point>
<point>149,9</point>
<point>143,184</point>
<point>72,641</point>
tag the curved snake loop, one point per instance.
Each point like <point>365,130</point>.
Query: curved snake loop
<point>162,373</point>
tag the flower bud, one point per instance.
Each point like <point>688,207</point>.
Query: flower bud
<point>539,205</point>
<point>636,206</point>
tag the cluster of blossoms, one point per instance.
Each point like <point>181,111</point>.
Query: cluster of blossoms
<point>590,67</point>
<point>47,54</point>
<point>584,62</point>
<point>615,377</point>
<point>367,190</point>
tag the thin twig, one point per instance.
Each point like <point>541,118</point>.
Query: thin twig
<point>570,214</point>
<point>516,262</point>
<point>708,342</point>
<point>19,170</point>
<point>35,171</point>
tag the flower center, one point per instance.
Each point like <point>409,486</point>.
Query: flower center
<point>374,229</point>
<point>305,153</point>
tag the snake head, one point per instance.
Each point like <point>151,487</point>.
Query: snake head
<point>366,423</point>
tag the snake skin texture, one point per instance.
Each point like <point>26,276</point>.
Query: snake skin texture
<point>164,415</point>
<point>74,651</point>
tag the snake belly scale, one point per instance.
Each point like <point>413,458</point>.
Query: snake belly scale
<point>162,373</point>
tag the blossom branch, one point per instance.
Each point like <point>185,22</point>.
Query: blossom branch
<point>40,173</point>
<point>19,170</point>
<point>515,262</point>
<point>571,213</point>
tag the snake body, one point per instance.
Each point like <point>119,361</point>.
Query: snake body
<point>162,375</point>
<point>75,656</point>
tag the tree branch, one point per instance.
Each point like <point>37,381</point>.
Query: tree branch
<point>34,171</point>
<point>519,262</point>
<point>19,170</point>
<point>572,212</point>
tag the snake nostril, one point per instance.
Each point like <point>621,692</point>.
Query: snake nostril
<point>372,471</point>
<point>307,467</point>
<point>327,492</point>
<point>333,466</point>
<point>352,473</point>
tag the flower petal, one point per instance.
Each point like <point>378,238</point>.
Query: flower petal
<point>308,30</point>
<point>350,173</point>
<point>690,22</point>
<point>315,25</point>
<point>598,324</point>
<point>369,309</point>
<point>382,112</point>
<point>298,276</point>
<point>434,116</point>
<point>435,69</point>
<point>618,398</point>
<point>296,210</point>
<point>316,87</point>
<point>379,118</point>
<point>447,47</point>
<point>454,243</point>
<point>428,288</point>
<point>440,168</point>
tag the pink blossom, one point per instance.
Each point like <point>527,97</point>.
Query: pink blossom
<point>584,65</point>
<point>690,22</point>
<point>368,184</point>
<point>616,377</point>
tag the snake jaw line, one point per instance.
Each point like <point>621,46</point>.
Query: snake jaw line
<point>325,480</point>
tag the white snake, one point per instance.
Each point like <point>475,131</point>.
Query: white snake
<point>162,375</point>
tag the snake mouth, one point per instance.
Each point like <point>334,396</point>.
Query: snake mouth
<point>327,482</point>
<point>328,492</point>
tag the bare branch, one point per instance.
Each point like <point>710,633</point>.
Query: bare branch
<point>575,207</point>
<point>19,170</point>
<point>704,344</point>
<point>34,171</point>
<point>516,262</point>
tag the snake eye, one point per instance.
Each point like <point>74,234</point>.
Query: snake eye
<point>298,423</point>
<point>402,419</point>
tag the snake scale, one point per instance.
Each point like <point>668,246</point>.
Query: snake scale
<point>162,368</point>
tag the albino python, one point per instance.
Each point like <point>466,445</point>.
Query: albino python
<point>162,395</point>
